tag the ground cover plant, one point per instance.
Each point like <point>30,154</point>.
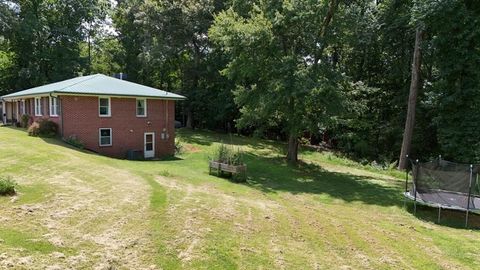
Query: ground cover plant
<point>7,186</point>
<point>75,209</point>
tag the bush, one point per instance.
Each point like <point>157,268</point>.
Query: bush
<point>33,129</point>
<point>73,140</point>
<point>228,155</point>
<point>178,147</point>
<point>25,120</point>
<point>7,186</point>
<point>44,128</point>
<point>48,128</point>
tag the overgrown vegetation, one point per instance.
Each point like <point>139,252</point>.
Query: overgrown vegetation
<point>24,121</point>
<point>7,186</point>
<point>227,154</point>
<point>179,147</point>
<point>74,141</point>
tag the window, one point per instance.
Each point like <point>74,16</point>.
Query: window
<point>38,106</point>
<point>105,136</point>
<point>53,106</point>
<point>104,106</point>
<point>141,107</point>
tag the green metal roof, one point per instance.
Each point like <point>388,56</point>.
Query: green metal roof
<point>97,85</point>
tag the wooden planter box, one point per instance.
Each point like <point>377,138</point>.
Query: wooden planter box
<point>238,171</point>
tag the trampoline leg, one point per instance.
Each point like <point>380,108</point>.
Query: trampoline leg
<point>466,220</point>
<point>415,207</point>
<point>439,213</point>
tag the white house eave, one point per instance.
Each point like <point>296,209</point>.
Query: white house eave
<point>60,93</point>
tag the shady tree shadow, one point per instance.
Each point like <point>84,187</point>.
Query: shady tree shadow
<point>271,175</point>
<point>449,218</point>
<point>207,138</point>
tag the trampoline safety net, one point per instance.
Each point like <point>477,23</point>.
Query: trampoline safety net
<point>446,184</point>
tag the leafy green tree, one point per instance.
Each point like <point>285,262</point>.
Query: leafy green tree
<point>278,60</point>
<point>7,24</point>
<point>374,49</point>
<point>454,87</point>
<point>47,39</point>
<point>167,46</point>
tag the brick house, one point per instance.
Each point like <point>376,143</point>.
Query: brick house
<point>110,116</point>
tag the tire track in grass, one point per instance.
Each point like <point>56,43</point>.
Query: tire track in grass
<point>88,211</point>
<point>210,220</point>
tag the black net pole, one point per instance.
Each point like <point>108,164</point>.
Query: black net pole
<point>469,195</point>
<point>406,176</point>
<point>406,185</point>
<point>439,205</point>
<point>415,188</point>
<point>439,212</point>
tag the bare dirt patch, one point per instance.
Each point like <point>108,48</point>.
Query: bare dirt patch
<point>190,148</point>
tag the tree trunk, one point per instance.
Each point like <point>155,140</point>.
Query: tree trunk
<point>412,101</point>
<point>292,152</point>
<point>189,123</point>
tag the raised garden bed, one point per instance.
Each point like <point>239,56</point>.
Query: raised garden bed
<point>238,172</point>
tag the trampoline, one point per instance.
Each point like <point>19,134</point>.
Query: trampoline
<point>444,185</point>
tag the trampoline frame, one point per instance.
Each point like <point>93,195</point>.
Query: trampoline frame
<point>440,206</point>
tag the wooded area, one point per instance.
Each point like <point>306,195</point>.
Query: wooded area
<point>333,70</point>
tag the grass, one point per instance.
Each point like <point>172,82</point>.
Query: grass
<point>327,212</point>
<point>29,243</point>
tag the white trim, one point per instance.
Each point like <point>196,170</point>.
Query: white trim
<point>38,106</point>
<point>59,93</point>
<point>17,111</point>
<point>145,145</point>
<point>52,107</point>
<point>23,107</point>
<point>100,137</point>
<point>144,109</point>
<point>4,111</point>
<point>109,106</point>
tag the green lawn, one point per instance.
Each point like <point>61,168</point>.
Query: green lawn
<point>80,210</point>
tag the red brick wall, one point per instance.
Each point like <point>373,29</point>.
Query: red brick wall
<point>30,110</point>
<point>81,119</point>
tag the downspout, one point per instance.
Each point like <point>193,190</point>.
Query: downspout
<point>166,118</point>
<point>61,111</point>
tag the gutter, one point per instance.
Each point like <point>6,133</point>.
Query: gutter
<point>90,94</point>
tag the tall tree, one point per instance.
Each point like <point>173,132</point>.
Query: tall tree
<point>454,87</point>
<point>284,78</point>
<point>47,39</point>
<point>8,23</point>
<point>412,100</point>
<point>168,44</point>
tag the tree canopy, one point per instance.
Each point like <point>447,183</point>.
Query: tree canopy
<point>335,72</point>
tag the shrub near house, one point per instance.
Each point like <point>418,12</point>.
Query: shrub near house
<point>44,128</point>
<point>107,115</point>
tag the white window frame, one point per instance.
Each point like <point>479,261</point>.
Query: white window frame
<point>109,107</point>
<point>100,137</point>
<point>38,106</point>
<point>145,107</point>
<point>53,102</point>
